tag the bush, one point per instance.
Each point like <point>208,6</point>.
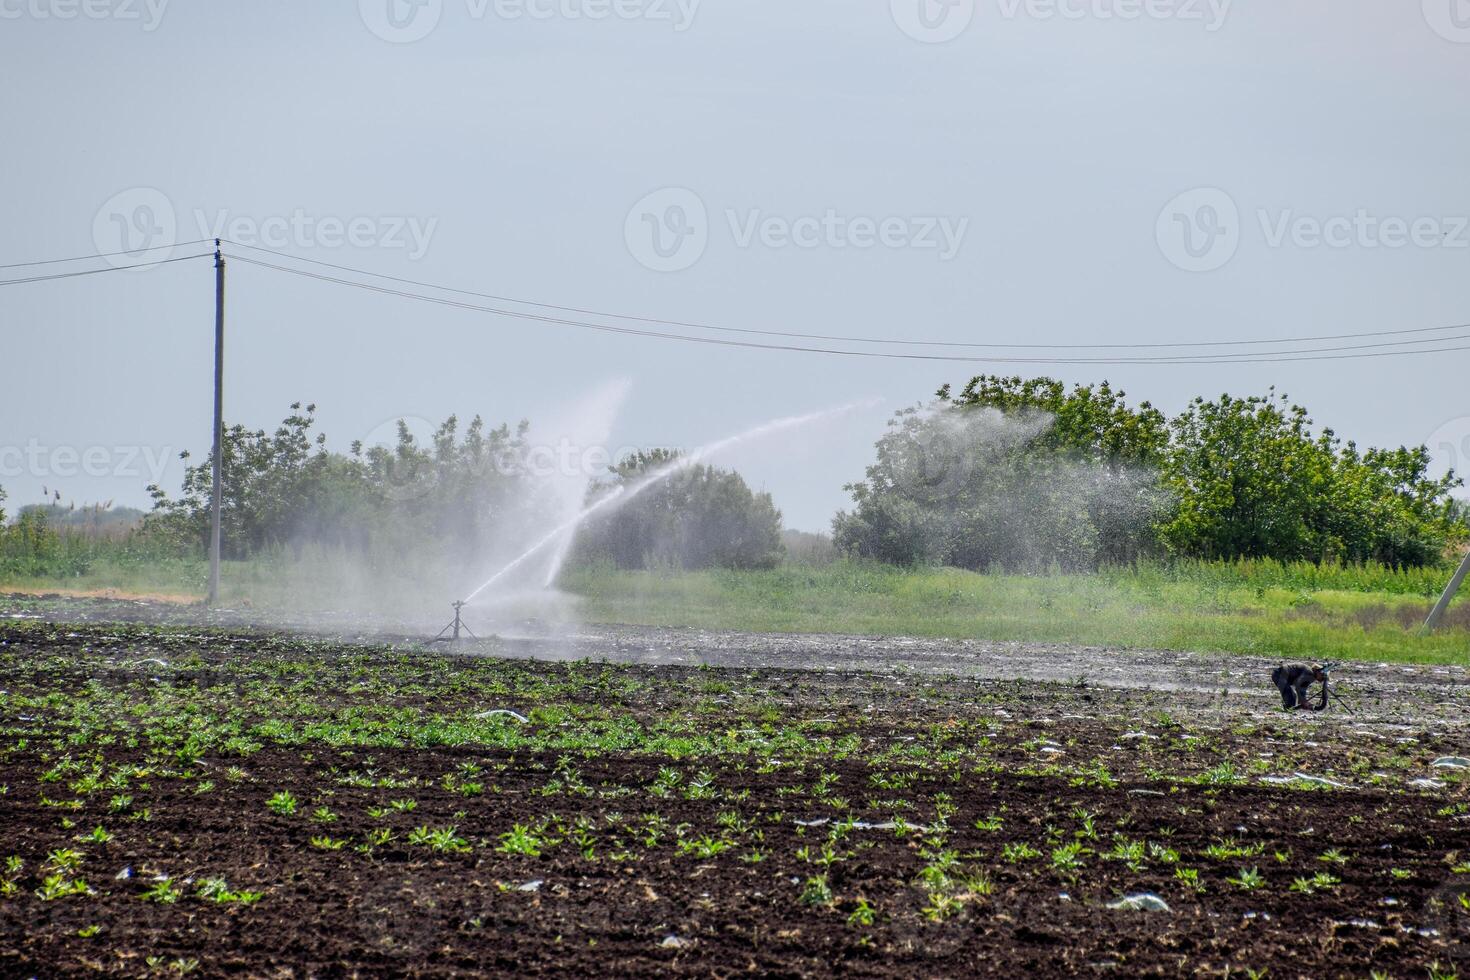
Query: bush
<point>698,517</point>
<point>31,548</point>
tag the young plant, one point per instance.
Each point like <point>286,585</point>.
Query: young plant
<point>1016,853</point>
<point>1068,858</point>
<point>1249,879</point>
<point>1321,881</point>
<point>863,915</point>
<point>99,835</point>
<point>57,886</point>
<point>283,803</point>
<point>1190,878</point>
<point>816,891</point>
<point>164,892</point>
<point>520,839</point>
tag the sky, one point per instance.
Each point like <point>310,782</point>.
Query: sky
<point>1044,172</point>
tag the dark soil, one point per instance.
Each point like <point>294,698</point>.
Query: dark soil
<point>630,878</point>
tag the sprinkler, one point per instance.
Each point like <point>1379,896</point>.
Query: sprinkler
<point>454,628</point>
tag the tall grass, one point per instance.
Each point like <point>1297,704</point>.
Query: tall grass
<point>1238,608</point>
<point>1302,575</point>
<point>34,554</point>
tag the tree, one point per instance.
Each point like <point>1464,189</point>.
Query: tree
<point>1026,474</point>
<point>1012,473</point>
<point>697,517</point>
<point>287,489</point>
<point>1253,477</point>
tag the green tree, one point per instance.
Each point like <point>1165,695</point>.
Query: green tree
<point>287,489</point>
<point>1254,477</point>
<point>1012,473</point>
<point>1027,474</point>
<point>698,517</point>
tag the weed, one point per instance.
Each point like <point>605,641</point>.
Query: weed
<point>704,847</point>
<point>1190,878</point>
<point>443,840</point>
<point>1018,852</point>
<point>99,835</point>
<point>1068,858</point>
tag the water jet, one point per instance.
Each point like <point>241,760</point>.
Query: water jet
<point>560,536</point>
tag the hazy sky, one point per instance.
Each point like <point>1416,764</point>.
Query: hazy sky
<point>991,172</point>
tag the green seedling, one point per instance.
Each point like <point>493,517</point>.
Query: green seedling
<point>282,804</point>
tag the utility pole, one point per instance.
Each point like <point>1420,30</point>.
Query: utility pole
<point>1441,607</point>
<point>219,420</point>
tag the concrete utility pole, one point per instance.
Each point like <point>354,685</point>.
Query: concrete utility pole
<point>219,420</point>
<point>1443,605</point>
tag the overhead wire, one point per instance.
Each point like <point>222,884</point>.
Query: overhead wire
<point>1190,351</point>
<point>106,255</point>
<point>1329,353</point>
<point>96,272</point>
<point>834,338</point>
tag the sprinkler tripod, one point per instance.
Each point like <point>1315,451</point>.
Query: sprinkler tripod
<point>455,627</point>
<point>1347,706</point>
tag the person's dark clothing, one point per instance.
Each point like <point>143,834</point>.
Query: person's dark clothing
<point>1293,680</point>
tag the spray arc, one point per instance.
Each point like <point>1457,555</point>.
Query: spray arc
<point>622,495</point>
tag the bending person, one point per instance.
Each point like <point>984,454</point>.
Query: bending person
<point>1293,680</point>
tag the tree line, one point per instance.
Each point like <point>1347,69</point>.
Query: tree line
<point>1027,474</point>
<point>463,493</point>
<point>1007,473</point>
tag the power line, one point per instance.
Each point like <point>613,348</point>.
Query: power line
<point>1322,354</point>
<point>1341,352</point>
<point>653,321</point>
<point>106,255</point>
<point>95,272</point>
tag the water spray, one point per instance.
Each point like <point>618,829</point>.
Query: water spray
<point>627,492</point>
